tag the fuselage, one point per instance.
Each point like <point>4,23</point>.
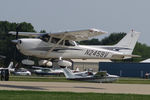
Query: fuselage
<point>39,48</point>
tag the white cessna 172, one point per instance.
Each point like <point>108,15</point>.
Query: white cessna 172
<point>63,45</point>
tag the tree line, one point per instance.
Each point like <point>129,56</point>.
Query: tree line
<point>7,48</point>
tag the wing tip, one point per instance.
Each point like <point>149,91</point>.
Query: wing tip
<point>97,30</point>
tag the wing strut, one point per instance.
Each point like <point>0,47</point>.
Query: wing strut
<point>55,45</point>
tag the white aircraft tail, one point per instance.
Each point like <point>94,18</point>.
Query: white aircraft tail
<point>10,65</point>
<point>68,73</point>
<point>127,44</point>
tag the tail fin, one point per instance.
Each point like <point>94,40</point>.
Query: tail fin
<point>68,73</point>
<point>128,42</point>
<point>10,65</point>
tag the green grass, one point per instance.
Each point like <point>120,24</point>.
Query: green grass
<point>63,79</point>
<point>40,95</point>
<point>39,79</point>
<point>133,81</point>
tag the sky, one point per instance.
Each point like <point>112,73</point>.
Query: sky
<point>69,15</point>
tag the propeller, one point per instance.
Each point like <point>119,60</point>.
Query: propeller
<point>17,31</point>
<point>16,40</point>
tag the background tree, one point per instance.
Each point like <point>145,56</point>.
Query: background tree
<point>42,31</point>
<point>7,48</point>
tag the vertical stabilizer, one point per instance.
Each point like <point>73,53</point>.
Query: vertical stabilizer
<point>68,73</point>
<point>128,42</point>
<point>10,65</point>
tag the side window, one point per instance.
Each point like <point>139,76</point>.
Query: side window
<point>67,43</point>
<point>55,40</point>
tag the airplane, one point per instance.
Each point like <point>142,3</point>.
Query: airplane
<point>9,68</point>
<point>145,61</point>
<point>62,45</point>
<point>89,76</point>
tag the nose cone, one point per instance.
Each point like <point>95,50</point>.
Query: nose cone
<point>17,41</point>
<point>28,43</point>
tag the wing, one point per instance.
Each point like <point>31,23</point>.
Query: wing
<point>124,56</point>
<point>79,35</point>
<point>29,34</point>
<point>69,35</point>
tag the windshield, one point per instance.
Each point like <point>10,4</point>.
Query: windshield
<point>69,43</point>
<point>45,37</point>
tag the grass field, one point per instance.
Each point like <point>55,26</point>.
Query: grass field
<point>39,79</point>
<point>63,79</point>
<point>40,95</point>
<point>133,81</point>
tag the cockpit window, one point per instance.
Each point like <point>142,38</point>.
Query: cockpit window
<point>45,37</point>
<point>63,42</point>
<point>69,43</point>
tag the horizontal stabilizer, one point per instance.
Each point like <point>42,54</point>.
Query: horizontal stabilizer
<point>117,56</point>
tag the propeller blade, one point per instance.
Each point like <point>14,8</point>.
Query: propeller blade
<point>16,34</point>
<point>17,30</point>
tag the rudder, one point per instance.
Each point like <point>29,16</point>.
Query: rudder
<point>128,42</point>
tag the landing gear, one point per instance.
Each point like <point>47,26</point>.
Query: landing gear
<point>64,63</point>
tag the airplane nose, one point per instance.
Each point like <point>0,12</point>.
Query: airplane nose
<point>14,41</point>
<point>19,42</point>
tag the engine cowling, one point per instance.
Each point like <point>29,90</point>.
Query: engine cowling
<point>45,63</point>
<point>64,63</point>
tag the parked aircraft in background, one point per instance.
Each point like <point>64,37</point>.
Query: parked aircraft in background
<point>10,67</point>
<point>145,61</point>
<point>62,45</point>
<point>89,76</point>
<point>48,71</point>
<point>22,72</point>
